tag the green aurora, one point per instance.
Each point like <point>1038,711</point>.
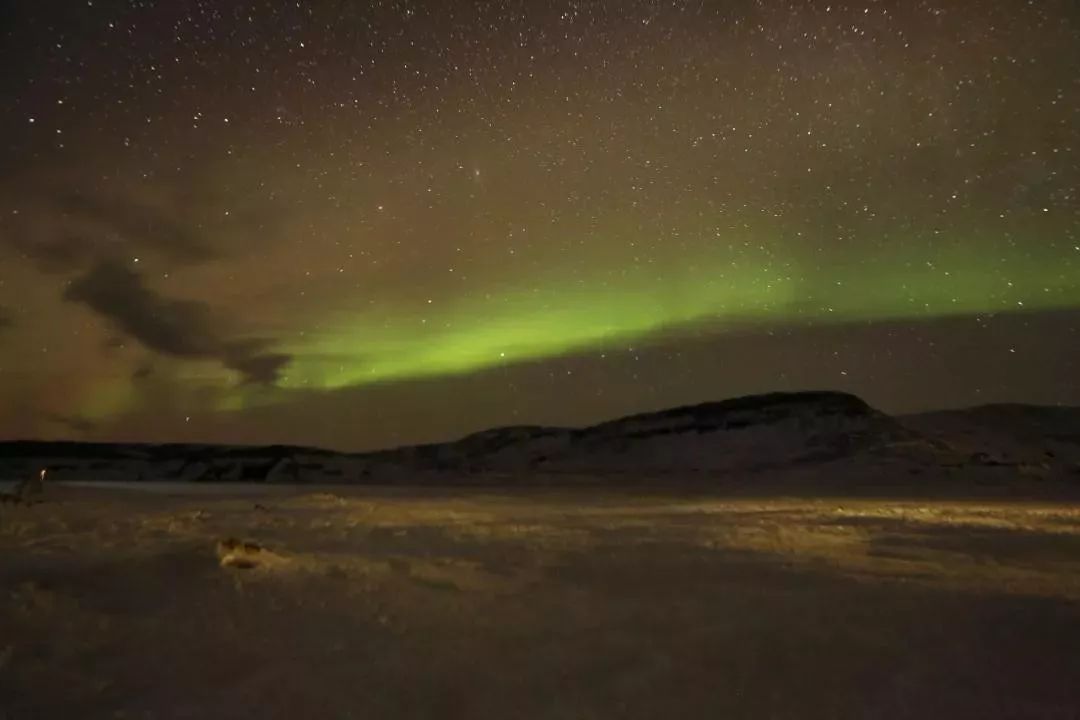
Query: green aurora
<point>556,317</point>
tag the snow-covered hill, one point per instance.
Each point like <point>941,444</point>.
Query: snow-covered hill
<point>741,436</point>
<point>1007,435</point>
<point>742,433</point>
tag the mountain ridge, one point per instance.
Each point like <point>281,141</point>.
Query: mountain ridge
<point>747,434</point>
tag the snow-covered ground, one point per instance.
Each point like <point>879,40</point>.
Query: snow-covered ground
<point>251,601</point>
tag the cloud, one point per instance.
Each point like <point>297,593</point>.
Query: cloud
<point>72,423</point>
<point>65,222</point>
<point>142,371</point>
<point>6,318</point>
<point>178,328</point>
<point>76,227</point>
<point>159,226</point>
<point>64,232</point>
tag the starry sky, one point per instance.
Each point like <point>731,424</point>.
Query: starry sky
<point>362,224</point>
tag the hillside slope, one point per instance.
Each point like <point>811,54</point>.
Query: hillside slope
<point>733,438</point>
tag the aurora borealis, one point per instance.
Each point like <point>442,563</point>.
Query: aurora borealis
<point>360,224</point>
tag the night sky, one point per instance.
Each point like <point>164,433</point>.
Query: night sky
<point>358,224</point>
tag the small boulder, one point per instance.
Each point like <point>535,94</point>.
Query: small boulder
<point>244,554</point>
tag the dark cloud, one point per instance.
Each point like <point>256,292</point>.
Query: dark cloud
<point>6,318</point>
<point>75,424</point>
<point>65,222</point>
<point>179,328</point>
<point>53,253</point>
<point>143,371</point>
<point>64,231</point>
<point>167,229</point>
